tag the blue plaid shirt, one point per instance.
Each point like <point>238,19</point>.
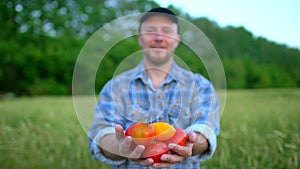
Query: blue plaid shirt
<point>185,100</point>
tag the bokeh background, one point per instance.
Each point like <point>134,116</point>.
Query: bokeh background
<point>39,45</point>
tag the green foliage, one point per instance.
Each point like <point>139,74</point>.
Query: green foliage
<point>235,79</point>
<point>40,41</point>
<point>39,66</point>
<point>115,58</point>
<point>259,129</point>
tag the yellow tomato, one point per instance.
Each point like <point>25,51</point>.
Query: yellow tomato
<point>163,131</point>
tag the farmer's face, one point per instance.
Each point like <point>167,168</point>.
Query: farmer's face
<point>159,39</point>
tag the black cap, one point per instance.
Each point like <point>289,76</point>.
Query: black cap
<point>159,11</point>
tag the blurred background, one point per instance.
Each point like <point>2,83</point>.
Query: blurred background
<point>41,40</point>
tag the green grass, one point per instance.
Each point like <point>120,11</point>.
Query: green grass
<point>260,129</point>
<point>42,132</point>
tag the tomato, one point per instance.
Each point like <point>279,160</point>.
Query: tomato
<point>179,137</point>
<point>129,131</point>
<point>155,151</point>
<point>163,131</point>
<point>143,134</point>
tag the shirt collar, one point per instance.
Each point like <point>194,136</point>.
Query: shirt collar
<point>140,73</point>
<point>174,75</point>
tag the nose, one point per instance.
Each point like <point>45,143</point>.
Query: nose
<point>158,37</point>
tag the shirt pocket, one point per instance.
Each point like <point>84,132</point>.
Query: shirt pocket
<point>179,116</point>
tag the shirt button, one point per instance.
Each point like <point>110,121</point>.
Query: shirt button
<point>159,96</point>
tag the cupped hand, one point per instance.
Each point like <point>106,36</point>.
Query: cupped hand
<point>125,149</point>
<point>180,152</point>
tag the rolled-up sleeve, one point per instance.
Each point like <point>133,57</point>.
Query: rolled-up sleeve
<point>105,118</point>
<point>96,151</point>
<point>205,107</point>
<point>208,133</point>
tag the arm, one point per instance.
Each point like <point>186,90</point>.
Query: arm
<point>201,141</point>
<point>103,129</point>
<point>204,130</point>
<point>205,107</point>
<point>106,135</point>
<point>111,149</point>
<point>200,144</point>
<point>115,149</point>
<point>117,146</point>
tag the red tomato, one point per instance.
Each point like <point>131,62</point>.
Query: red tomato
<point>155,151</point>
<point>143,134</point>
<point>129,131</point>
<point>179,138</point>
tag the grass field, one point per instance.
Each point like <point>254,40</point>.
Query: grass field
<point>260,129</point>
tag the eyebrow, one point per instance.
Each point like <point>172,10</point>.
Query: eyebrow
<point>153,27</point>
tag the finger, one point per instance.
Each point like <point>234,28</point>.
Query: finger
<point>119,129</point>
<point>138,151</point>
<point>146,162</point>
<point>185,151</point>
<point>119,132</point>
<point>162,165</point>
<point>172,158</point>
<point>127,141</point>
<point>192,137</point>
<point>125,147</point>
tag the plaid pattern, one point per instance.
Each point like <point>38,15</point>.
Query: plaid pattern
<point>184,99</point>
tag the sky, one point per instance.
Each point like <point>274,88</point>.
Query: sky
<point>275,20</point>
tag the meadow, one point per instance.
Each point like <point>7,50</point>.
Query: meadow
<point>259,129</point>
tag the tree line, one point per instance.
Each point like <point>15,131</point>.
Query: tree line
<point>40,41</point>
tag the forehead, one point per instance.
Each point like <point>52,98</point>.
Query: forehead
<point>159,21</point>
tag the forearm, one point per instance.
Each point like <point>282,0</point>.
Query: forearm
<point>200,145</point>
<point>110,147</point>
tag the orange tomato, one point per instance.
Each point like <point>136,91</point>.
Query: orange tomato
<point>163,131</point>
<point>179,138</point>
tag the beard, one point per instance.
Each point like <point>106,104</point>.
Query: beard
<point>157,58</point>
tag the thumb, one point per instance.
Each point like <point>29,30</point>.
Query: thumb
<point>119,132</point>
<point>192,136</point>
<point>119,129</point>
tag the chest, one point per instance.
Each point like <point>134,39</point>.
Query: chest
<point>171,104</point>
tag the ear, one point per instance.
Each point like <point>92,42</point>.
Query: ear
<point>177,39</point>
<point>140,40</point>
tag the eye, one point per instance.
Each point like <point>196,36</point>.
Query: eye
<point>150,30</point>
<point>167,31</point>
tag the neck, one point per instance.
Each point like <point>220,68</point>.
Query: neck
<point>157,74</point>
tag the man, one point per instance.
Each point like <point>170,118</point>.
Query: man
<point>156,90</point>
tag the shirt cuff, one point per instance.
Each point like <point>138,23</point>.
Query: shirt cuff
<point>209,134</point>
<point>96,151</point>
